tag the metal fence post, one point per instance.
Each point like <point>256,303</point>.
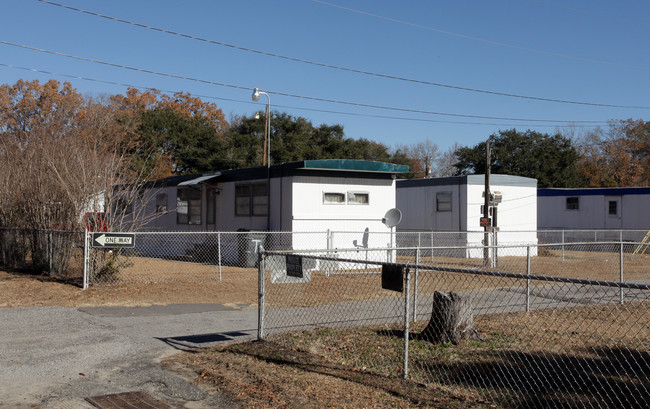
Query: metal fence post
<point>219,252</point>
<point>495,249</point>
<point>86,259</point>
<point>51,255</point>
<point>415,285</point>
<point>406,322</point>
<point>562,245</point>
<point>621,270</point>
<point>260,295</point>
<point>528,280</point>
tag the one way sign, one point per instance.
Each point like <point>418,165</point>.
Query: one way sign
<point>113,240</point>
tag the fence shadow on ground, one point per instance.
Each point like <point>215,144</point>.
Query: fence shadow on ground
<point>418,394</point>
<point>516,379</point>
<point>543,380</point>
<point>18,272</point>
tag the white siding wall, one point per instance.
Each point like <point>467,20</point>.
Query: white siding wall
<point>553,214</point>
<point>593,212</point>
<point>310,214</point>
<point>517,211</point>
<point>516,216</point>
<point>635,212</point>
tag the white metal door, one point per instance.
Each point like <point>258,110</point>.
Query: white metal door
<point>613,212</point>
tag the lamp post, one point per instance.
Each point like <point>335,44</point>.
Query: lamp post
<point>267,126</point>
<point>267,151</point>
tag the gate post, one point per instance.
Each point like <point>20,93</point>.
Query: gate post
<point>86,257</point>
<point>50,253</point>
<point>415,285</point>
<point>407,308</point>
<point>260,295</point>
<point>528,280</point>
<point>219,252</point>
<point>621,270</point>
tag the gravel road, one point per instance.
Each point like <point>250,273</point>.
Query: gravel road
<point>55,357</point>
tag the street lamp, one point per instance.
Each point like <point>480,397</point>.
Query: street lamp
<point>267,151</point>
<point>267,126</point>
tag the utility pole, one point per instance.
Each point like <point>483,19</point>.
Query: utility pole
<point>487,225</point>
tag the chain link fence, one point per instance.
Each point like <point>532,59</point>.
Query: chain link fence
<point>551,318</point>
<point>54,252</point>
<point>535,329</point>
<point>189,257</point>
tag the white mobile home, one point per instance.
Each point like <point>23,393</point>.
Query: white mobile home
<point>600,208</point>
<point>298,197</point>
<point>455,204</point>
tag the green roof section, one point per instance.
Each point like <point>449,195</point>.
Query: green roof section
<point>355,165</point>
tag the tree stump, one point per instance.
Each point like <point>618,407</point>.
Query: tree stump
<point>451,320</point>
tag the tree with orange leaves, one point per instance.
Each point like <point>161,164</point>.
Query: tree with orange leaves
<point>618,156</point>
<point>61,156</point>
<point>161,146</point>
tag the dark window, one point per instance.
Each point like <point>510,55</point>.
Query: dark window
<point>613,208</point>
<point>242,200</point>
<point>123,206</point>
<point>188,206</point>
<point>161,203</point>
<point>333,198</point>
<point>260,199</point>
<point>572,203</point>
<point>443,201</point>
<point>362,198</point>
<point>251,199</point>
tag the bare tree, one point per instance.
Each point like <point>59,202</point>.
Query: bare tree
<point>618,155</point>
<point>62,156</point>
<point>424,156</point>
<point>446,163</point>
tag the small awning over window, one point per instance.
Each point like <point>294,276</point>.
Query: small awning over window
<point>199,179</point>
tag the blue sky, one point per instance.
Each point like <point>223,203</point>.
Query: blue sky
<point>591,52</point>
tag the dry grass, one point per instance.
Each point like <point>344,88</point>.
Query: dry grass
<point>578,357</point>
<point>22,290</point>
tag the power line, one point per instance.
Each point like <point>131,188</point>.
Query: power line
<point>482,40</point>
<point>171,92</point>
<point>333,101</point>
<point>347,69</point>
<point>591,13</point>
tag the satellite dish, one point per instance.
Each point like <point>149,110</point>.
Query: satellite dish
<point>392,218</point>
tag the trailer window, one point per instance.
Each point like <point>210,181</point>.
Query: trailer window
<point>572,203</point>
<point>362,198</point>
<point>161,203</point>
<point>333,198</point>
<point>251,199</point>
<point>613,208</point>
<point>443,201</point>
<point>188,206</point>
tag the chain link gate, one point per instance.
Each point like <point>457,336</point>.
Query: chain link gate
<point>547,338</point>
